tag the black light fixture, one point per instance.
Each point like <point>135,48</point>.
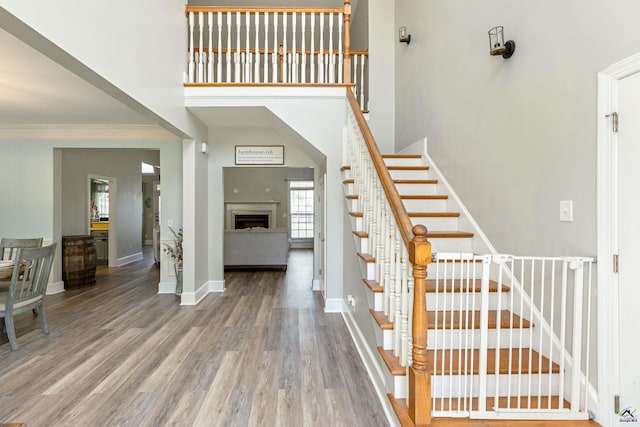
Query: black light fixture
<point>497,45</point>
<point>404,37</point>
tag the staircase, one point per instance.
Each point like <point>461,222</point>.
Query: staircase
<point>507,376</point>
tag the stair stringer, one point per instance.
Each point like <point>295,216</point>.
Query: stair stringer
<point>481,244</point>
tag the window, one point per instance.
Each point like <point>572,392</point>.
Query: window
<point>301,209</point>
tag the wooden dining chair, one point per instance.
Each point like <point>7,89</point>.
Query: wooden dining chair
<point>28,288</point>
<point>9,246</point>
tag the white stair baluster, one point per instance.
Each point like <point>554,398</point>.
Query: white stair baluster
<point>247,50</point>
<point>200,47</point>
<point>256,72</point>
<point>321,54</point>
<point>312,71</point>
<point>219,62</point>
<point>285,66</point>
<point>274,57</point>
<point>265,75</point>
<point>330,62</point>
<point>303,62</point>
<point>228,78</point>
<point>356,87</point>
<point>340,53</point>
<point>192,64</point>
<point>294,62</point>
<point>210,63</point>
<point>236,62</point>
<point>404,324</point>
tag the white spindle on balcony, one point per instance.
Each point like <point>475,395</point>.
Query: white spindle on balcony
<point>312,71</point>
<point>321,52</point>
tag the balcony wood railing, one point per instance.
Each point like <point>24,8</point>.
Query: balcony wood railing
<point>248,45</point>
<point>393,241</point>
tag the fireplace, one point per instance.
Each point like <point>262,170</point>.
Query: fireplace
<point>251,220</point>
<point>247,215</point>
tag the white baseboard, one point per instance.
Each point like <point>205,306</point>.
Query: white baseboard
<point>55,288</point>
<point>193,298</point>
<point>216,286</point>
<point>167,287</point>
<point>129,259</point>
<point>333,305</point>
<point>370,363</point>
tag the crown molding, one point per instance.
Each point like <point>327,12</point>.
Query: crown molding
<point>84,132</point>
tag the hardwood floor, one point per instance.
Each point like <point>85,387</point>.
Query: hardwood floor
<point>263,353</point>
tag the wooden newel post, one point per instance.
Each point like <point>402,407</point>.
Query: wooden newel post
<point>419,376</point>
<point>346,67</point>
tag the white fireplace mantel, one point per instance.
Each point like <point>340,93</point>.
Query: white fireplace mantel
<point>247,208</point>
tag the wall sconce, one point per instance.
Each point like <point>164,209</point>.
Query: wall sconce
<point>497,45</point>
<point>404,37</point>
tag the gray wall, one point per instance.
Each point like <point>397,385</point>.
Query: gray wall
<point>124,166</point>
<point>252,183</point>
<point>516,136</point>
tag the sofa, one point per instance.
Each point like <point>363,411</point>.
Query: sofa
<point>256,247</point>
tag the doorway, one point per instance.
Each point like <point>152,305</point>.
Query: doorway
<point>102,218</point>
<point>618,231</point>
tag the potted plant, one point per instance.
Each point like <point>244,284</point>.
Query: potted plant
<point>175,252</point>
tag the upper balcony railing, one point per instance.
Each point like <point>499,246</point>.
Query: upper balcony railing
<point>247,45</point>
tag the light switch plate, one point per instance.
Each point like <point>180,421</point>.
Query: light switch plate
<point>566,210</point>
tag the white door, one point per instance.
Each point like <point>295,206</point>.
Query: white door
<point>629,245</point>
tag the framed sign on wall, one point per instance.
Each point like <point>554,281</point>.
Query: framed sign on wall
<point>259,154</point>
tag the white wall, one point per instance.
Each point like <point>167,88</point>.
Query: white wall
<point>515,136</point>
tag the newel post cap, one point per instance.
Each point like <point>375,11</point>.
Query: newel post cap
<point>420,248</point>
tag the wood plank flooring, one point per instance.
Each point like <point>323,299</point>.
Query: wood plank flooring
<point>263,353</point>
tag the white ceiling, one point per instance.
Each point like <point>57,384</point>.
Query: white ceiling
<point>36,90</point>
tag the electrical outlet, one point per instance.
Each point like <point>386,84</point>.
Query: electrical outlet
<point>170,222</point>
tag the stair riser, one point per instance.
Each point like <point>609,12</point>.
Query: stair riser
<point>362,243</point>
<point>403,162</point>
<point>451,244</point>
<point>356,223</point>
<point>368,268</point>
<point>348,188</point>
<point>438,205</point>
<point>437,224</point>
<point>353,205</point>
<point>456,339</point>
<point>409,174</point>
<point>384,337</point>
<point>417,189</point>
<point>461,301</point>
<point>453,385</point>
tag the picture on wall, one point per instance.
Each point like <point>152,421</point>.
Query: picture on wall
<point>259,154</point>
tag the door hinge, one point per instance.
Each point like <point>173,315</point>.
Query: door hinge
<point>616,404</point>
<point>615,263</point>
<point>614,121</point>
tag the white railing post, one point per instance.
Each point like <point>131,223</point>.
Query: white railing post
<point>340,52</point>
<point>228,74</point>
<point>236,61</point>
<point>312,71</point>
<point>274,56</point>
<point>220,56</point>
<point>577,265</point>
<point>256,71</point>
<point>285,66</point>
<point>332,77</point>
<point>265,75</point>
<point>484,333</point>
<point>321,53</point>
<point>362,103</point>
<point>303,65</point>
<point>294,56</point>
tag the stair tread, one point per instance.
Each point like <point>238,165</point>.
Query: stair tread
<point>345,168</point>
<point>348,181</point>
<point>373,285</point>
<point>381,319</point>
<point>368,258</point>
<point>356,214</point>
<point>473,319</point>
<point>424,197</point>
<point>392,362</point>
<point>408,168</point>
<point>458,286</point>
<point>402,412</point>
<point>433,214</point>
<point>401,156</point>
<point>361,234</point>
<point>415,181</point>
<point>448,234</point>
<point>453,364</point>
<point>351,196</point>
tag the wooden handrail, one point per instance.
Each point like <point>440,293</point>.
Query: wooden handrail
<point>270,51</point>
<point>399,212</point>
<point>262,10</point>
<point>419,250</point>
